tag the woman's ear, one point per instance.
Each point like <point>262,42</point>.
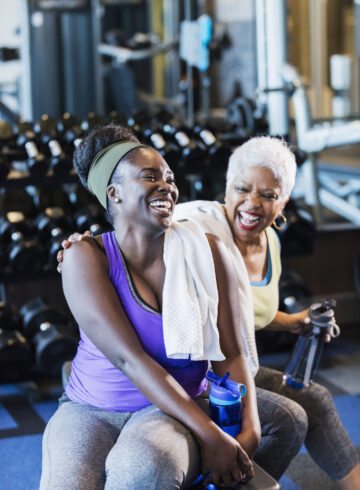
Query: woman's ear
<point>113,193</point>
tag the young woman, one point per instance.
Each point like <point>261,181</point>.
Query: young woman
<point>131,416</point>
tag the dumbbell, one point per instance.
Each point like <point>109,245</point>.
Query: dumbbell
<point>52,224</point>
<point>91,218</point>
<point>92,121</point>
<point>15,352</point>
<point>36,162</point>
<point>46,328</point>
<point>70,130</point>
<point>294,294</point>
<point>46,197</point>
<point>24,252</point>
<point>17,199</point>
<point>45,129</point>
<point>169,151</point>
<point>193,153</point>
<point>6,140</point>
<point>218,152</point>
<point>298,236</point>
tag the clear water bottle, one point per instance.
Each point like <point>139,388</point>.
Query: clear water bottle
<point>225,403</point>
<point>306,355</point>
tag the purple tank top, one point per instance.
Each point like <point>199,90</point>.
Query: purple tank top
<point>95,381</point>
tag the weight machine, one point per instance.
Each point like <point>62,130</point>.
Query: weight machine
<point>277,81</point>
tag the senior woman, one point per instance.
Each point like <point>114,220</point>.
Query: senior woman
<point>259,181</point>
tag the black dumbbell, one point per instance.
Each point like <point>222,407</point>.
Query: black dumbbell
<point>47,328</point>
<point>70,130</point>
<point>91,218</point>
<point>218,152</point>
<point>298,236</point>
<point>24,252</point>
<point>169,151</point>
<point>294,294</point>
<point>46,197</point>
<point>36,162</point>
<point>45,129</point>
<point>193,153</point>
<point>92,121</point>
<point>52,224</point>
<point>15,352</point>
<point>7,141</point>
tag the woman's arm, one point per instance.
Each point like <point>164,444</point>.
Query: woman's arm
<point>96,307</point>
<point>293,322</point>
<point>232,346</point>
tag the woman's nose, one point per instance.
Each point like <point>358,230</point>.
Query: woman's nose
<point>254,198</point>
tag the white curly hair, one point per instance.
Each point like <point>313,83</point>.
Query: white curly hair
<point>264,151</point>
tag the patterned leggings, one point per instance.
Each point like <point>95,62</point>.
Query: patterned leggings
<point>326,439</point>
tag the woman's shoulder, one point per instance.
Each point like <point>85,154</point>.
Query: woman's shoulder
<point>85,252</point>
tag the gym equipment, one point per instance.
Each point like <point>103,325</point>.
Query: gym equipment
<point>167,150</point>
<point>306,355</point>
<point>53,341</point>
<point>321,187</point>
<point>70,130</point>
<point>4,167</point>
<point>36,162</point>
<point>52,224</point>
<point>298,236</point>
<point>91,218</point>
<point>15,352</point>
<point>25,254</point>
<point>218,152</point>
<point>15,355</point>
<point>60,162</point>
<point>193,153</point>
<point>92,121</point>
<point>294,294</point>
<point>45,129</point>
<point>16,200</point>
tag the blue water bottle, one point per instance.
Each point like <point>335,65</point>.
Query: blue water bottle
<point>225,407</point>
<point>225,403</point>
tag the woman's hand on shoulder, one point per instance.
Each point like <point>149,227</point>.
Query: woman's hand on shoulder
<point>75,237</point>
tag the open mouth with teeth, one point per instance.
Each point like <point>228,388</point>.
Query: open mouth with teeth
<point>248,221</point>
<point>162,206</point>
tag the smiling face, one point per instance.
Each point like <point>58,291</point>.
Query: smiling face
<point>252,203</point>
<point>146,188</point>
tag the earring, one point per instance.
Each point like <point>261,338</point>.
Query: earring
<point>282,225</point>
<point>116,200</point>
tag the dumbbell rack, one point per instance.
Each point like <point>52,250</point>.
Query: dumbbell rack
<point>16,180</point>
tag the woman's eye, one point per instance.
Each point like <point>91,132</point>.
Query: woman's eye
<point>270,197</point>
<point>150,177</point>
<point>171,181</point>
<point>241,189</point>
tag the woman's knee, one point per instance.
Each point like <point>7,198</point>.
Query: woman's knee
<point>149,463</point>
<point>291,421</point>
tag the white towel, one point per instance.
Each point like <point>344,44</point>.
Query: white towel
<point>210,216</point>
<point>190,296</point>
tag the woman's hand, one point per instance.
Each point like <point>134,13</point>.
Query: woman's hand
<point>297,321</point>
<point>224,462</point>
<point>293,323</point>
<point>75,237</point>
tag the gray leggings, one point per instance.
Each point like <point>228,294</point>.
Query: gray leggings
<point>88,448</point>
<point>326,440</point>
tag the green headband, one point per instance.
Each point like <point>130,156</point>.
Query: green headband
<point>103,166</point>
